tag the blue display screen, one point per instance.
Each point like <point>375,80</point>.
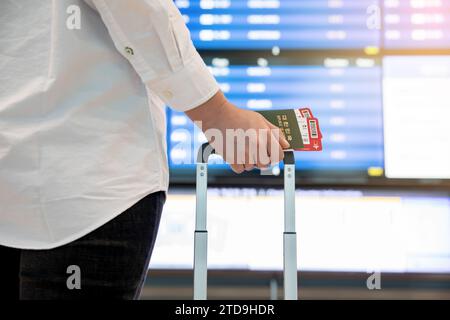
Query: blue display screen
<point>347,100</point>
<point>324,54</point>
<point>256,24</point>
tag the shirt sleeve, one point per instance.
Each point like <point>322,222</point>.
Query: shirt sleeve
<point>153,36</point>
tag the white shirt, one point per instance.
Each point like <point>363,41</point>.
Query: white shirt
<point>82,111</point>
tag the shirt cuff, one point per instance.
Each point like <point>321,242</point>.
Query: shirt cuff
<point>187,88</point>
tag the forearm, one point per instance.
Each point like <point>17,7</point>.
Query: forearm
<point>213,109</point>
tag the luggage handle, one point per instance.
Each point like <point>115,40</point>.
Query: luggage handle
<point>201,232</point>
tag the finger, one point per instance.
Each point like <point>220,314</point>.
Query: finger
<point>237,168</point>
<point>249,160</point>
<point>281,138</point>
<point>283,142</point>
<point>263,164</point>
<point>264,158</point>
<point>276,153</point>
<point>251,156</point>
<point>263,167</point>
<point>249,167</point>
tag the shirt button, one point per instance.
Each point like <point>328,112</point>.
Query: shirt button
<point>168,94</point>
<point>129,51</point>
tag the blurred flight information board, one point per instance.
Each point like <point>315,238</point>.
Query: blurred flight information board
<point>411,24</point>
<point>328,55</point>
<point>345,95</point>
<point>263,24</point>
<point>317,24</point>
<point>353,231</point>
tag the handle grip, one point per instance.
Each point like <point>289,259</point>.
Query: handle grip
<point>206,150</point>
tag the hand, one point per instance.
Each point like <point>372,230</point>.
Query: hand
<point>245,139</point>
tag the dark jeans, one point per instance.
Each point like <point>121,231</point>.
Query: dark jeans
<point>112,260</point>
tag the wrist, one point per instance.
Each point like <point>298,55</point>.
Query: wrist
<point>211,111</point>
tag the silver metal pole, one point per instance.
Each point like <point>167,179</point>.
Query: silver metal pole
<point>290,236</point>
<point>201,234</point>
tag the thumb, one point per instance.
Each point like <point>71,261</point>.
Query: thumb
<point>283,142</point>
<point>281,138</point>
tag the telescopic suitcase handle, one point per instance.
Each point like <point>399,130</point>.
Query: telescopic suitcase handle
<point>201,233</point>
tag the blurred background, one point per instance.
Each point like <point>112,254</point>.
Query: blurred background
<point>376,73</point>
